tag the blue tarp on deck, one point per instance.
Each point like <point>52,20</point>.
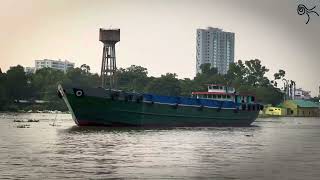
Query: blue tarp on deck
<point>188,101</point>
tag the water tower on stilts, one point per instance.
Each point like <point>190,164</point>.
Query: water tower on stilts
<point>109,38</point>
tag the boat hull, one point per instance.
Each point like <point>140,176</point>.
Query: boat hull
<point>96,108</point>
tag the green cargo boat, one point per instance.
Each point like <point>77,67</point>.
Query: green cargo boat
<point>219,106</point>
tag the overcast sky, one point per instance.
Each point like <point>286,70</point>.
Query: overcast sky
<point>161,35</point>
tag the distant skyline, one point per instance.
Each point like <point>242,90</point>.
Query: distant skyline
<point>161,35</point>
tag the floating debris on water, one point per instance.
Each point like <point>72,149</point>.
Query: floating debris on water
<point>17,120</point>
<point>53,124</point>
<point>29,120</point>
<point>24,126</point>
<point>33,120</point>
<point>249,135</point>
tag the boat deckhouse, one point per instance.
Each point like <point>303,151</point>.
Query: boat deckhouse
<point>223,93</point>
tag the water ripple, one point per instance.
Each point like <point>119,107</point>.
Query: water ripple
<point>271,148</point>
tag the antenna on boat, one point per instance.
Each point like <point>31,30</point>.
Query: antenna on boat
<point>109,38</point>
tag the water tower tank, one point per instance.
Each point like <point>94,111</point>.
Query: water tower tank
<point>109,35</point>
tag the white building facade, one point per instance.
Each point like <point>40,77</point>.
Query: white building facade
<point>302,94</point>
<point>29,70</point>
<point>54,64</point>
<point>216,47</point>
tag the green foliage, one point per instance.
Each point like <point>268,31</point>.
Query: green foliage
<point>82,77</point>
<point>207,69</point>
<point>3,98</point>
<point>251,73</point>
<point>255,73</point>
<point>167,85</point>
<point>249,77</point>
<point>187,86</point>
<point>133,78</point>
<point>279,75</point>
<point>16,83</point>
<point>236,74</point>
<point>45,81</point>
<point>85,68</point>
<point>246,77</point>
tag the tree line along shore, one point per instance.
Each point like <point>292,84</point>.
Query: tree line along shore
<point>246,76</point>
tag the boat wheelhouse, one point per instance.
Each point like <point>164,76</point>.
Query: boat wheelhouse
<point>223,93</point>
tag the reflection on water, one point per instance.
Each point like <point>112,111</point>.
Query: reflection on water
<point>282,148</point>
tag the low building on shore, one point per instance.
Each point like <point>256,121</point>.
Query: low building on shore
<point>301,108</point>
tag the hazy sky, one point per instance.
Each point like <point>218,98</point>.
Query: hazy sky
<point>161,35</point>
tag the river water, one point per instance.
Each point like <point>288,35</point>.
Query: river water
<point>273,148</point>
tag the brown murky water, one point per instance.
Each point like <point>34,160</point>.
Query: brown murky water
<point>279,148</point>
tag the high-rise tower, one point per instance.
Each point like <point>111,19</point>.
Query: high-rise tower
<point>216,47</point>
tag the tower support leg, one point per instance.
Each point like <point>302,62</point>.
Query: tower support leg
<point>108,67</point>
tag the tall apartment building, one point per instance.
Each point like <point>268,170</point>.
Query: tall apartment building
<point>54,64</point>
<point>216,47</point>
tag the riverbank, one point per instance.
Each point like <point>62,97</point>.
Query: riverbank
<point>281,116</point>
<point>27,107</point>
